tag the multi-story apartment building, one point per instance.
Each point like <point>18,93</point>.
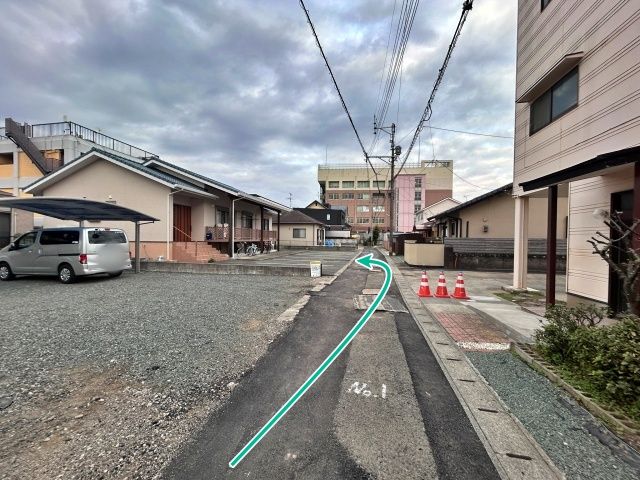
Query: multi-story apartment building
<point>364,194</point>
<point>577,130</point>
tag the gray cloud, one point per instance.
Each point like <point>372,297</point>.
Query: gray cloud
<point>238,90</point>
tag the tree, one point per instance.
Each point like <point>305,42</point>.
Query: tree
<point>619,251</point>
<point>375,235</point>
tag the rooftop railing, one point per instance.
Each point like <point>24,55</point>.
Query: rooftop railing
<point>364,166</point>
<point>71,128</point>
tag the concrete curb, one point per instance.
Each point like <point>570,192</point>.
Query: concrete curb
<point>515,454</point>
<point>225,268</point>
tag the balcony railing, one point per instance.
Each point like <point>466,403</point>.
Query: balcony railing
<point>221,234</point>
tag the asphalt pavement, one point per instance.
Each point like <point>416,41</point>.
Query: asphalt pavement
<point>405,423</point>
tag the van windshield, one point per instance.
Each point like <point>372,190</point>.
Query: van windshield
<point>101,237</point>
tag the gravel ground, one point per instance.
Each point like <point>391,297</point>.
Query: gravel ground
<point>107,377</point>
<point>568,433</point>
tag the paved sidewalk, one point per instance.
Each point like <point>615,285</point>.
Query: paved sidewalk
<point>485,319</point>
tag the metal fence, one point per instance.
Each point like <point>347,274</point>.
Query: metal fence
<point>79,131</point>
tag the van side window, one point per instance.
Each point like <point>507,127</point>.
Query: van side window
<point>102,237</point>
<point>26,240</point>
<point>60,237</point>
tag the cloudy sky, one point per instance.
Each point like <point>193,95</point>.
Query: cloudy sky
<point>237,89</point>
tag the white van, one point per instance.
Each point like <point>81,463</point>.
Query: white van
<point>67,253</point>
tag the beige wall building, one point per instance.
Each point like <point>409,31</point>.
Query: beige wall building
<point>300,230</point>
<point>199,218</point>
<point>364,195</point>
<point>492,216</point>
<point>577,127</point>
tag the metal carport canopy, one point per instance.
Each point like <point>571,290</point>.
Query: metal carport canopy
<point>80,209</point>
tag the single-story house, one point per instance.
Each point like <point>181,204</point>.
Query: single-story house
<point>492,215</point>
<point>421,217</point>
<point>300,230</point>
<point>200,218</point>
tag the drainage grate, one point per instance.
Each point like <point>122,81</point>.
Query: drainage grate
<point>517,455</point>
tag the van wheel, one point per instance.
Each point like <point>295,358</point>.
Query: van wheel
<point>66,274</point>
<point>5,272</point>
<point>114,274</point>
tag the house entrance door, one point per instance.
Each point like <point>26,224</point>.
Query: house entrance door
<point>622,203</point>
<point>181,223</point>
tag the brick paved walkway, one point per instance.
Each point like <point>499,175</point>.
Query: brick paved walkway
<point>468,329</point>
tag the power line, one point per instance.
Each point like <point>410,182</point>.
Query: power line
<point>471,133</point>
<point>426,115</point>
<point>403,30</point>
<point>335,83</point>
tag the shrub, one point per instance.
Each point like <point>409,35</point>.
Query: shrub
<point>615,364</point>
<point>607,358</point>
<point>555,338</point>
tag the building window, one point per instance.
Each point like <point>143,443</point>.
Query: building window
<point>417,195</point>
<point>378,184</point>
<point>378,220</point>
<point>416,208</point>
<point>299,233</point>
<point>349,219</point>
<point>363,220</point>
<point>334,196</point>
<point>347,184</point>
<point>222,216</point>
<point>362,196</point>
<point>377,196</point>
<point>363,183</point>
<point>347,196</point>
<point>418,182</point>
<point>246,220</point>
<point>265,224</point>
<point>555,102</point>
<point>378,208</point>
<point>545,3</point>
<point>334,184</point>
<point>362,208</point>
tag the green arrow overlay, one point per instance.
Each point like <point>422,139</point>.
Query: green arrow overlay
<point>369,262</point>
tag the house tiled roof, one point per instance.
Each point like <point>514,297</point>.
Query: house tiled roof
<point>505,188</point>
<point>296,217</point>
<point>193,174</point>
<point>144,169</point>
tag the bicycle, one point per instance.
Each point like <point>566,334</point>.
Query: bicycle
<point>242,249</point>
<point>252,250</point>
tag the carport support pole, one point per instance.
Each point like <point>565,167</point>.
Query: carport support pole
<point>278,242</point>
<point>552,225</point>
<point>261,229</point>
<point>137,248</point>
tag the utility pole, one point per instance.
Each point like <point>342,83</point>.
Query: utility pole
<point>392,182</point>
<point>395,153</point>
<point>290,197</point>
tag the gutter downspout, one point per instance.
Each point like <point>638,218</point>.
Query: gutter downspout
<point>233,227</point>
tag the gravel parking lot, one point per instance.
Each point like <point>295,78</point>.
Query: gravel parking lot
<point>106,378</point>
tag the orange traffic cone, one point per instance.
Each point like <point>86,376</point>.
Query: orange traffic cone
<point>441,291</point>
<point>460,293</point>
<point>424,286</point>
